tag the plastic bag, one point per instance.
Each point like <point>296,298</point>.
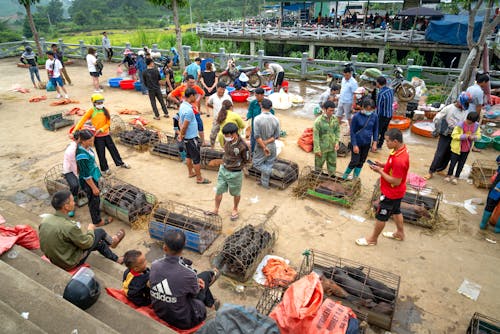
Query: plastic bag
<point>300,303</point>
<point>50,87</point>
<point>332,317</point>
<point>23,235</point>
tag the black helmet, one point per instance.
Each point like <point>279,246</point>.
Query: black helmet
<point>28,49</point>
<point>83,290</point>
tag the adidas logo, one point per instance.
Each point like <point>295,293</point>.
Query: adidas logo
<point>162,292</point>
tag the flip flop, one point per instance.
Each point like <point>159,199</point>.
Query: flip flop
<point>106,221</point>
<point>428,176</point>
<point>234,217</point>
<point>119,236</point>
<point>211,213</point>
<point>391,235</point>
<point>205,181</point>
<point>363,242</point>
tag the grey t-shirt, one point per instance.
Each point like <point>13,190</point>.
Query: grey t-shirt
<point>477,95</point>
<point>266,125</point>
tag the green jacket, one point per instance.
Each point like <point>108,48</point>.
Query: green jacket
<point>326,134</point>
<point>62,240</point>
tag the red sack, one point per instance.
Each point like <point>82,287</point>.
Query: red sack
<point>305,141</point>
<point>23,235</point>
<point>300,303</point>
<point>332,318</point>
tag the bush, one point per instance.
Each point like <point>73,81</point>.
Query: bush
<point>9,36</point>
<point>366,57</point>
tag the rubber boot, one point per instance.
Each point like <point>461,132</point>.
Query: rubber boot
<point>484,220</point>
<point>497,226</point>
<point>357,171</point>
<point>346,173</point>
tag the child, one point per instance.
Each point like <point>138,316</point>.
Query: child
<point>364,135</point>
<point>462,138</point>
<point>136,278</point>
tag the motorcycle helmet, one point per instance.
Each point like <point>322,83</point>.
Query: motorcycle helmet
<point>28,49</point>
<point>464,99</point>
<point>96,97</point>
<point>243,77</point>
<point>83,290</point>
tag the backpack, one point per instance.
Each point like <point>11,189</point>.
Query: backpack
<point>99,65</point>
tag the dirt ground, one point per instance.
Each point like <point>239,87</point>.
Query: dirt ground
<point>432,264</point>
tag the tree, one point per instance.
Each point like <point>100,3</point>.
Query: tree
<point>174,5</point>
<point>55,11</point>
<point>466,77</point>
<point>27,6</point>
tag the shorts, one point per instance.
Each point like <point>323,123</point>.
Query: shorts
<point>227,179</point>
<point>57,81</point>
<point>94,74</point>
<point>199,121</point>
<point>344,108</point>
<point>387,208</point>
<point>193,150</point>
<point>132,70</point>
<point>279,78</point>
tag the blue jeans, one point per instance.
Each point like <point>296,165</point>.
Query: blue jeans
<point>264,163</point>
<point>34,71</point>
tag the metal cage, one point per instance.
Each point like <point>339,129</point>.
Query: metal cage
<point>330,188</point>
<point>481,324</point>
<point>200,229</point>
<point>211,158</point>
<point>359,283</point>
<point>284,173</point>
<point>55,181</point>
<point>164,145</point>
<point>482,172</point>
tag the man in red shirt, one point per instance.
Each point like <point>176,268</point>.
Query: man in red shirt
<point>393,188</point>
<point>177,96</point>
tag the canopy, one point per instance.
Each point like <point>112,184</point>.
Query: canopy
<point>452,29</point>
<point>420,11</point>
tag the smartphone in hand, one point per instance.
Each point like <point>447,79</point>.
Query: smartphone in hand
<point>371,163</point>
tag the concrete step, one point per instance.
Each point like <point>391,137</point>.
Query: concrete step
<point>48,311</point>
<point>14,323</point>
<point>16,215</point>
<point>113,269</point>
<point>117,315</point>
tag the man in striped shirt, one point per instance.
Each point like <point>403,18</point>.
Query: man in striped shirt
<point>385,98</point>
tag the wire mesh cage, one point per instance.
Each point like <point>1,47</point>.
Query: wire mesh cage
<point>55,181</point>
<point>55,120</point>
<point>117,125</point>
<point>125,201</point>
<point>211,158</point>
<point>482,172</point>
<point>242,251</point>
<point>200,229</point>
<point>419,206</point>
<point>165,145</point>
<point>481,324</point>
<point>136,138</point>
<point>330,188</point>
<point>365,289</point>
<point>284,173</point>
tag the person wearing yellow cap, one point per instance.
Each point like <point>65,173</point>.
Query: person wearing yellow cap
<point>101,120</point>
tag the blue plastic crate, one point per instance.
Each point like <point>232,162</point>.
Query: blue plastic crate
<point>157,231</point>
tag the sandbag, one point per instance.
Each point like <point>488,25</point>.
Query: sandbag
<point>305,141</point>
<point>333,318</point>
<point>300,304</point>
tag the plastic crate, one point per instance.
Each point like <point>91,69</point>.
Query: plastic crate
<point>481,324</point>
<point>200,229</point>
<point>326,264</point>
<point>284,173</point>
<point>55,121</point>
<point>55,181</point>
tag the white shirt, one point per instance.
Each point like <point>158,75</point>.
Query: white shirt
<point>55,66</point>
<point>347,90</point>
<point>91,61</point>
<point>106,43</point>
<point>216,102</point>
<point>276,68</point>
<point>477,95</point>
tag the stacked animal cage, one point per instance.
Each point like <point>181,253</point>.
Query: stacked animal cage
<point>55,181</point>
<point>165,145</point>
<point>481,324</point>
<point>482,172</point>
<point>419,206</point>
<point>366,290</point>
<point>330,188</point>
<point>211,158</point>
<point>284,173</point>
<point>55,120</point>
<point>125,201</point>
<point>131,135</point>
<point>200,229</point>
<point>242,251</point>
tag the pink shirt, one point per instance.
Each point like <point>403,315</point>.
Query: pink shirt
<point>69,162</point>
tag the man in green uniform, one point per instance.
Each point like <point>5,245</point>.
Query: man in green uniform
<point>65,244</point>
<point>326,132</point>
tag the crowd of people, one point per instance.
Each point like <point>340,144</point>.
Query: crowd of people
<point>176,292</point>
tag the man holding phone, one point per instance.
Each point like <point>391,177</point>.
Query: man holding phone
<point>392,187</point>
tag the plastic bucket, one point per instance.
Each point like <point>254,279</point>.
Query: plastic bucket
<point>138,86</point>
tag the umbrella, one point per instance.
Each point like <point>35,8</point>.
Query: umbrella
<point>420,11</point>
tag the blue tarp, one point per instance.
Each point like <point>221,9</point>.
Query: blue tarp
<point>452,29</point>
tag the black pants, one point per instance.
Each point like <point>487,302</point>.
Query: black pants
<point>205,295</point>
<point>94,203</point>
<point>460,159</point>
<point>74,184</point>
<point>101,143</point>
<point>155,94</point>
<point>442,155</point>
<point>102,241</point>
<point>109,54</point>
<point>383,124</point>
<point>357,160</point>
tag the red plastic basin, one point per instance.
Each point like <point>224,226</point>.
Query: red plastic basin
<point>240,95</point>
<point>127,84</point>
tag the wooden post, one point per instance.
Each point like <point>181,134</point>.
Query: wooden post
<point>83,49</point>
<point>303,65</point>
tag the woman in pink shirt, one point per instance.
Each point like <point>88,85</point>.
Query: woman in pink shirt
<point>70,170</point>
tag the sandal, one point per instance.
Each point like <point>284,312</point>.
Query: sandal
<point>363,242</point>
<point>428,176</point>
<point>211,213</point>
<point>104,222</point>
<point>391,235</point>
<point>204,181</point>
<point>119,237</point>
<point>234,217</point>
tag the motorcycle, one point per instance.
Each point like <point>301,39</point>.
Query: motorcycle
<point>233,72</point>
<point>403,89</point>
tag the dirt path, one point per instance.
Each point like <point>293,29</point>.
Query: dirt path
<point>432,265</point>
